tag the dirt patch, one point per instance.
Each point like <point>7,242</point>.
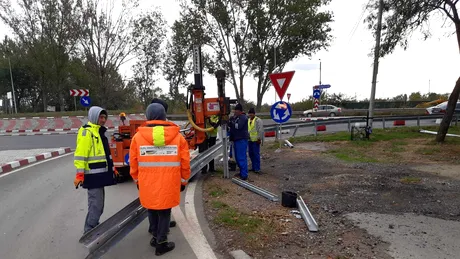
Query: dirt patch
<point>331,188</point>
<point>452,171</point>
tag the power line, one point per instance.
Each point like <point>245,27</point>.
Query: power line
<point>359,20</point>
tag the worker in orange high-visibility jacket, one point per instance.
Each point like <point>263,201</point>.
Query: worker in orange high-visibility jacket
<point>160,166</point>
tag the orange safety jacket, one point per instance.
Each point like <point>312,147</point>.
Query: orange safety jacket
<point>160,162</point>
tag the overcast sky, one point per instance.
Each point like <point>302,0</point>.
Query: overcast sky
<point>347,64</point>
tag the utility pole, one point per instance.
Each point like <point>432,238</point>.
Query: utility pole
<point>319,71</point>
<point>376,63</point>
<point>429,86</point>
<point>274,67</point>
<point>12,88</point>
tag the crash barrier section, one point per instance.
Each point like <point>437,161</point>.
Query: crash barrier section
<point>361,120</point>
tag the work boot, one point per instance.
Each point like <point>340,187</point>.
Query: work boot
<point>172,224</point>
<point>153,242</point>
<point>165,247</point>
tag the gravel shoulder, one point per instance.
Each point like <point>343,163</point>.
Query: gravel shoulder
<point>373,209</point>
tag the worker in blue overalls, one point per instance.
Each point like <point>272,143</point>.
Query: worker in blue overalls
<point>239,135</point>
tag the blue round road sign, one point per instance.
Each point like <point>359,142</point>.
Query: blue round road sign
<point>281,112</point>
<point>85,101</point>
<point>316,93</point>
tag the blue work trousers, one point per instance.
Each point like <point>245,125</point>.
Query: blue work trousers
<point>241,147</point>
<point>254,155</point>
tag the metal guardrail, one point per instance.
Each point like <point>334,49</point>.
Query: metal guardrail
<point>107,234</point>
<point>204,158</point>
<point>350,120</point>
<point>344,111</point>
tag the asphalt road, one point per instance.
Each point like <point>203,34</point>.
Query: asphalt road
<point>43,215</point>
<point>51,141</point>
<point>37,141</point>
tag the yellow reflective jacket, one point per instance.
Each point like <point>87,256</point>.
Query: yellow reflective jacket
<point>214,119</point>
<point>90,157</point>
<point>256,129</point>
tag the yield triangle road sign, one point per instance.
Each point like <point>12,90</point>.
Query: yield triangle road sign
<point>281,82</point>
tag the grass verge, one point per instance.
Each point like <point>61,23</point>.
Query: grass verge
<point>404,144</point>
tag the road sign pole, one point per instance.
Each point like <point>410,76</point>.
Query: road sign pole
<point>281,136</point>
<point>75,102</point>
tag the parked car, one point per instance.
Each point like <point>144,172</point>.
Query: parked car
<point>324,111</point>
<point>441,108</point>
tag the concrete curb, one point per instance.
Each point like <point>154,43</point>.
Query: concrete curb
<point>47,130</point>
<point>30,160</point>
<point>67,117</point>
<point>47,133</point>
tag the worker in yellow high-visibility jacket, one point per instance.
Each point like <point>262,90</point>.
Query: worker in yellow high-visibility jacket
<point>212,121</point>
<point>256,138</point>
<point>94,164</point>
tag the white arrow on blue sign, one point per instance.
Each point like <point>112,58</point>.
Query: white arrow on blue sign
<point>85,101</point>
<point>316,93</point>
<point>281,112</point>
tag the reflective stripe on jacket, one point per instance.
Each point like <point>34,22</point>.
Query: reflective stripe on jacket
<point>90,158</point>
<point>160,162</point>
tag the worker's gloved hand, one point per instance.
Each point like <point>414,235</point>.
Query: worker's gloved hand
<point>182,188</point>
<point>259,141</point>
<point>78,181</point>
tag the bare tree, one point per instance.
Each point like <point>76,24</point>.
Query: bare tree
<point>108,41</point>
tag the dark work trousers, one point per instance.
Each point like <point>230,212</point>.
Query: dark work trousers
<point>159,224</point>
<point>151,215</point>
<point>95,208</point>
<point>201,148</point>
<point>211,142</point>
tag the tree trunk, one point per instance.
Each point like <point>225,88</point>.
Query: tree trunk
<point>446,120</point>
<point>457,29</point>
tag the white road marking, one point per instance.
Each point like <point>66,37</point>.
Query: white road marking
<point>190,226</point>
<point>34,164</point>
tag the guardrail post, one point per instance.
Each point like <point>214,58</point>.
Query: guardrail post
<point>316,128</point>
<point>225,150</point>
<point>349,125</point>
<point>418,121</point>
<point>383,123</point>
<point>295,131</point>
<point>277,132</point>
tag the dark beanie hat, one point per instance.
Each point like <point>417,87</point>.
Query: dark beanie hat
<point>239,107</point>
<point>252,111</point>
<point>157,100</point>
<point>155,111</point>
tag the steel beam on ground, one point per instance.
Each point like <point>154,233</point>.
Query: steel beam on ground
<point>306,215</point>
<point>255,189</point>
